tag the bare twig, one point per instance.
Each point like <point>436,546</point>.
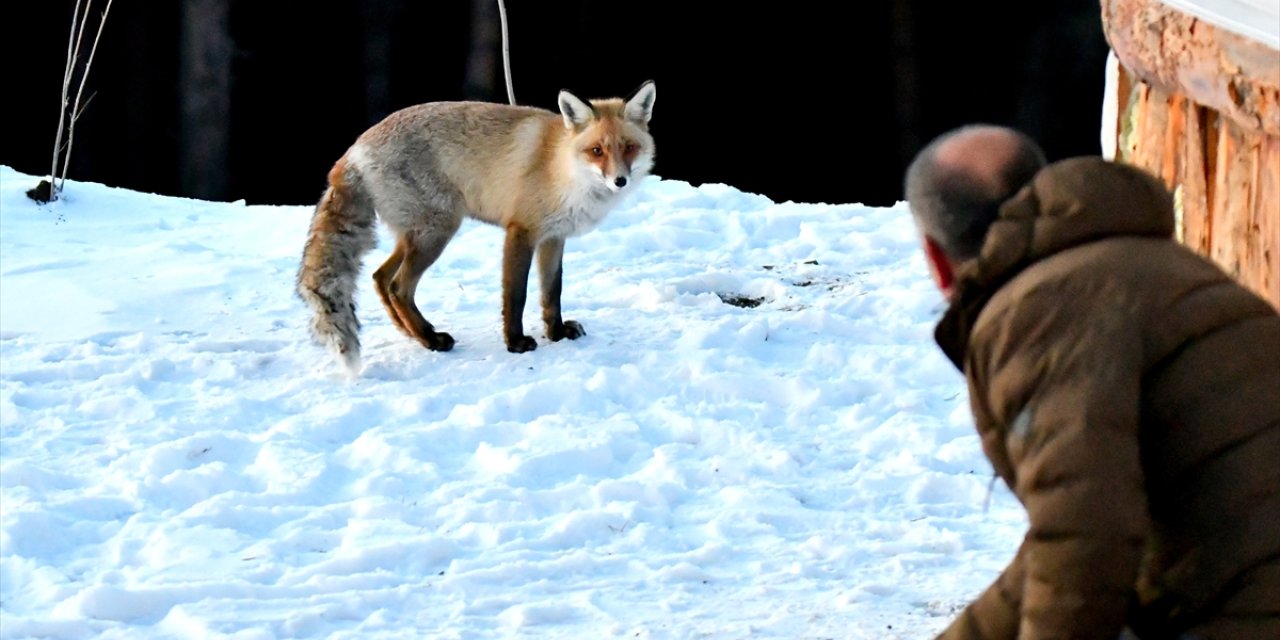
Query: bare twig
<point>506,51</point>
<point>73,45</point>
<point>80,112</point>
<point>77,110</point>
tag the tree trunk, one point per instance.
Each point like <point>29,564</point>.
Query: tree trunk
<point>377,18</point>
<point>482,57</point>
<point>906,75</point>
<point>205,85</point>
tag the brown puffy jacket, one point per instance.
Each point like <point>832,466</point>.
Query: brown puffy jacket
<point>1128,391</point>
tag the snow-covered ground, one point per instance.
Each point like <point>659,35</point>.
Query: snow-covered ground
<point>179,461</point>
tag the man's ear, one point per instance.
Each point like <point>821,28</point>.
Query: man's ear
<point>940,267</point>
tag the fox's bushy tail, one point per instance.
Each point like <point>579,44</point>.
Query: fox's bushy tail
<point>342,231</point>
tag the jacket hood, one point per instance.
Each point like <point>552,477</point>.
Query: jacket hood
<point>1067,204</point>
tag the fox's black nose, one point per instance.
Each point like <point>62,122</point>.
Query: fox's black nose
<point>620,181</point>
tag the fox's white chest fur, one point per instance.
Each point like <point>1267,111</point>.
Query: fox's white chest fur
<point>584,208</point>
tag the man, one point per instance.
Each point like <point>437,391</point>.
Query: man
<point>1126,389</point>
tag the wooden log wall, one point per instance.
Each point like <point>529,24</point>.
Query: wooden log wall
<point>1198,107</point>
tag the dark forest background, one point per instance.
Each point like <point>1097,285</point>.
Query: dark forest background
<point>805,101</point>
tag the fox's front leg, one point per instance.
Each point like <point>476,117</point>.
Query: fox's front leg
<point>550,260</point>
<point>517,256</point>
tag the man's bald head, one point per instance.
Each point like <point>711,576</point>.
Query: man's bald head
<point>956,184</point>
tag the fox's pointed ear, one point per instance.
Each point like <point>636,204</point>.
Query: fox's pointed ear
<point>640,104</point>
<point>576,112</point>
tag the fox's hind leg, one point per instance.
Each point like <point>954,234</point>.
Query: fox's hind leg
<point>382,284</point>
<point>419,250</point>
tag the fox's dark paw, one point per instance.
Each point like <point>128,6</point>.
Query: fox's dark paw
<point>522,344</point>
<point>567,329</point>
<point>439,341</point>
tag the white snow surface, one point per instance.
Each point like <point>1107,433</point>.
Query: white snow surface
<point>178,460</point>
<point>1257,19</point>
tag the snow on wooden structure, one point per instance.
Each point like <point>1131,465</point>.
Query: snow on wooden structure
<point>1195,99</point>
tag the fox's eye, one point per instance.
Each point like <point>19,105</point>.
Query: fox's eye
<point>631,146</point>
<point>597,151</point>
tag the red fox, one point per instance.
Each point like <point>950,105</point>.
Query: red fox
<point>541,176</point>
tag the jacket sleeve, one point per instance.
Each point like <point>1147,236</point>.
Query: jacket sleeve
<point>996,613</point>
<point>1062,382</point>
